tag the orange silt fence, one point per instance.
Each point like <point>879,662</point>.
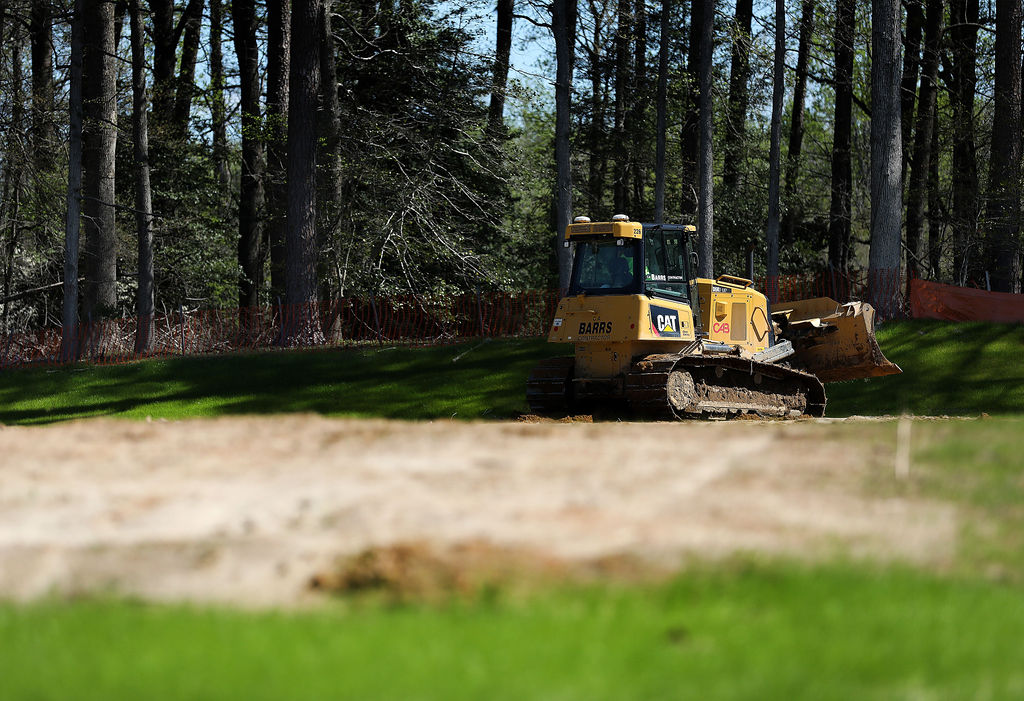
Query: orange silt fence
<point>933,300</point>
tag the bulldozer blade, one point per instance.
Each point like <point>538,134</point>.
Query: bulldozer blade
<point>834,341</point>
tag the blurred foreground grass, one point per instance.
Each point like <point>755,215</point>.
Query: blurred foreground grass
<point>739,631</point>
<point>745,628</point>
<point>978,466</point>
<point>957,369</point>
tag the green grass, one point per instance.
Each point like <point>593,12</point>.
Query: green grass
<point>957,369</point>
<point>953,369</point>
<point>474,380</point>
<point>740,631</point>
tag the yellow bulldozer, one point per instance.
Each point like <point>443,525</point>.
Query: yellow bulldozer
<point>671,345</point>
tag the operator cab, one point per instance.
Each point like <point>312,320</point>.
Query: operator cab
<point>667,258</point>
<point>628,258</point>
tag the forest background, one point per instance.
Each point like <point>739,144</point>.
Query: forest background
<point>206,153</point>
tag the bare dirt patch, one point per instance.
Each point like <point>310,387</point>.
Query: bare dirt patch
<point>252,510</point>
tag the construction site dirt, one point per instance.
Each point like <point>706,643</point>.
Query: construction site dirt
<point>272,511</point>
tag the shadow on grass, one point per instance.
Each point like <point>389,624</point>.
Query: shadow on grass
<point>469,380</point>
<point>948,368</point>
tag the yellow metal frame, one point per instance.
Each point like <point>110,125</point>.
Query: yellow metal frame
<point>733,312</point>
<point>609,331</point>
<point>615,229</point>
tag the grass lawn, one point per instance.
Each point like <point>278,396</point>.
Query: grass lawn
<point>739,631</point>
<point>470,380</point>
<point>957,369</point>
<point>948,368</point>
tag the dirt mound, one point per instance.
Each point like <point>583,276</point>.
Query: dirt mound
<point>573,419</point>
<point>423,570</point>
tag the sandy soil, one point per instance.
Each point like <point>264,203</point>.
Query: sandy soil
<point>248,510</point>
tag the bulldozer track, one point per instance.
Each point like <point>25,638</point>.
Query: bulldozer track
<point>671,386</point>
<point>549,387</point>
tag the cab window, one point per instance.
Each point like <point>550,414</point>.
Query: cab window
<point>605,267</point>
<point>665,264</point>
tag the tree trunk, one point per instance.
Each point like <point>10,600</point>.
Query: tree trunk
<point>301,238</point>
<point>597,164</point>
<point>166,35</point>
<point>14,170</point>
<point>886,158</point>
<point>330,202</point>
<point>705,214</point>
<point>920,162</point>
<point>250,208</point>
<point>502,52</point>
<point>278,62</point>
<point>622,145</point>
<point>69,317</point>
<point>739,100</point>
<point>1002,215</point>
<point>43,128</point>
<point>796,126</point>
<point>165,49</point>
<point>775,147</point>
<point>218,110</point>
<point>962,79</point>
<point>662,108</point>
<point>143,196</point>
<point>167,122</point>
<point>842,178</point>
<point>908,84</point>
<point>192,20</point>
<point>639,97</point>
<point>99,148</point>
<point>563,25</point>
<point>120,12</point>
<point>690,133</point>
<point>934,204</point>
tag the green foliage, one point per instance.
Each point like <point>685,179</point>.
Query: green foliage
<point>31,233</point>
<point>424,186</point>
<point>430,202</point>
<point>737,630</point>
<point>195,236</point>
<point>524,248</point>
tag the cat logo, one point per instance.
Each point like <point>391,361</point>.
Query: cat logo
<point>664,322</point>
